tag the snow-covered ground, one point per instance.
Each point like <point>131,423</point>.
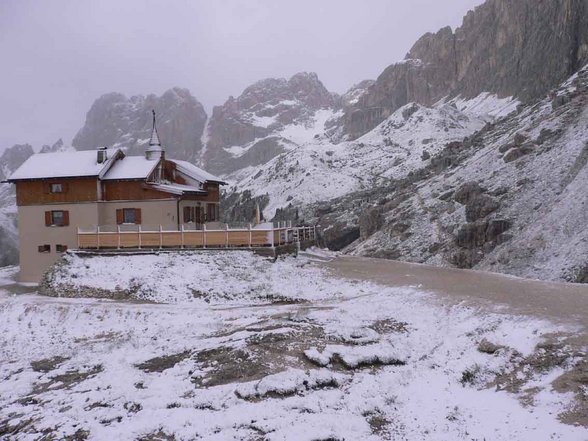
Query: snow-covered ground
<point>230,346</point>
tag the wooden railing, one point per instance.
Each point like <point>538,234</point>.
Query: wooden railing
<point>250,237</point>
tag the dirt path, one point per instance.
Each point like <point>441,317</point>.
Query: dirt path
<point>560,302</point>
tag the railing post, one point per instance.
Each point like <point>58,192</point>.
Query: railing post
<point>139,230</point>
<point>250,236</point>
<point>118,235</point>
<point>203,235</point>
<point>226,235</point>
<point>78,238</point>
<point>272,234</point>
<point>98,236</point>
<point>160,236</point>
<point>182,235</point>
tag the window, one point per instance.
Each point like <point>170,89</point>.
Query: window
<point>211,212</point>
<point>57,218</point>
<point>44,248</point>
<point>192,215</point>
<point>128,216</point>
<point>189,215</point>
<point>56,188</point>
<point>61,248</point>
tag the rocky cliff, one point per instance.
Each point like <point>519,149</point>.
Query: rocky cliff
<point>519,48</point>
<point>117,121</point>
<point>263,121</point>
<point>509,198</point>
<point>11,159</point>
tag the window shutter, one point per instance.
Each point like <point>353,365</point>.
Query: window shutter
<point>48,219</point>
<point>64,187</point>
<point>65,218</point>
<point>47,187</point>
<point>137,215</point>
<point>187,214</point>
<point>119,216</point>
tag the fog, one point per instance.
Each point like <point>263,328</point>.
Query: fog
<point>59,56</point>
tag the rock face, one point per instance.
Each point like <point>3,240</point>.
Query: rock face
<point>247,130</point>
<point>11,159</point>
<point>115,120</point>
<point>471,207</point>
<point>510,48</point>
<point>58,146</point>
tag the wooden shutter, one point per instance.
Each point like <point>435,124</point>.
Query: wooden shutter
<point>48,220</point>
<point>119,216</point>
<point>65,218</point>
<point>137,215</point>
<point>198,215</point>
<point>64,187</point>
<point>187,214</point>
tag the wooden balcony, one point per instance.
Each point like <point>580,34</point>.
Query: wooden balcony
<point>138,238</point>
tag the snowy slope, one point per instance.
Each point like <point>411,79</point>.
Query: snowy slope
<point>533,174</point>
<point>316,169</point>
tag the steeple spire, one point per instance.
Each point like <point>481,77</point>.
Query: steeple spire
<point>155,151</point>
<point>154,136</point>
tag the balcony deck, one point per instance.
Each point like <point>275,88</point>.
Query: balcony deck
<point>137,238</point>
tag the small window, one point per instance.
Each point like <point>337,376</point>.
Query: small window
<point>211,214</point>
<point>189,215</point>
<point>44,248</point>
<point>57,218</point>
<point>129,216</point>
<point>56,188</point>
<point>60,248</point>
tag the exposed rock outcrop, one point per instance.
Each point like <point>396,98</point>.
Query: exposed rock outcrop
<point>246,131</point>
<point>115,120</point>
<point>11,159</point>
<point>509,48</point>
<point>467,207</point>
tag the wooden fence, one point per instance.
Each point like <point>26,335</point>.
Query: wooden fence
<point>249,237</point>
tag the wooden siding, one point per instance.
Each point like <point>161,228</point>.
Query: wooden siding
<point>130,191</point>
<point>37,192</point>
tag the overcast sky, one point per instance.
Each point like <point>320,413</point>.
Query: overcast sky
<point>58,56</point>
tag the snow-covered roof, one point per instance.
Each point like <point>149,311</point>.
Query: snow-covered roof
<point>117,167</point>
<point>63,165</point>
<point>178,189</point>
<point>131,167</point>
<point>195,172</point>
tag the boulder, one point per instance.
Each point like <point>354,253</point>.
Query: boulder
<point>467,191</point>
<point>370,221</point>
<point>518,152</point>
<point>480,206</point>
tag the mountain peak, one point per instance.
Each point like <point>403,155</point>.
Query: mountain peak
<point>117,121</point>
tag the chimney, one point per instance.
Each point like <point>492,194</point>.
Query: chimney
<point>102,155</point>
